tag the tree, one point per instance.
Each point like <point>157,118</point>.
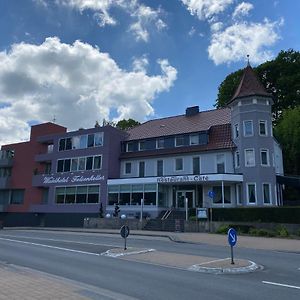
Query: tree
<point>127,124</point>
<point>280,77</point>
<point>287,131</point>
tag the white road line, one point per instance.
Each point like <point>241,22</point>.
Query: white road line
<point>283,285</point>
<point>52,247</point>
<point>55,240</point>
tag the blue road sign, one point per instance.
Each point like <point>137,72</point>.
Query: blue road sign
<point>211,194</point>
<point>232,237</point>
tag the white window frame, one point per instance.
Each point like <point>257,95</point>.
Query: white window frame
<point>216,162</point>
<point>176,165</point>
<point>268,157</point>
<point>195,135</point>
<point>266,127</point>
<point>179,136</point>
<point>239,197</point>
<point>236,130</point>
<point>157,143</point>
<point>127,146</point>
<point>263,194</point>
<point>244,126</point>
<point>125,163</point>
<point>237,159</point>
<point>255,190</point>
<point>140,142</point>
<point>245,151</point>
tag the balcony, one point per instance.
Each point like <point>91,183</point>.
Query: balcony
<point>4,182</point>
<point>44,157</point>
<point>6,162</point>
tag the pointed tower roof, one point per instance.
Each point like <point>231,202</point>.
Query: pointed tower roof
<point>249,85</point>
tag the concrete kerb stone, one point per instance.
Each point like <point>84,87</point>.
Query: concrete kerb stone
<point>252,267</point>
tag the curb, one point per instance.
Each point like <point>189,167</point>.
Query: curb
<point>239,270</point>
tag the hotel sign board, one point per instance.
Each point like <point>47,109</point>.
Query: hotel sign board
<point>72,179</point>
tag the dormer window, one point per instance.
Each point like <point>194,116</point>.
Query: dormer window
<point>142,145</point>
<point>179,141</point>
<point>129,147</point>
<point>160,143</point>
<point>194,139</point>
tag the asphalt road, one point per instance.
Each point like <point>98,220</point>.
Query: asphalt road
<point>77,256</point>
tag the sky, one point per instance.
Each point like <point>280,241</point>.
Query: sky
<point>76,62</point>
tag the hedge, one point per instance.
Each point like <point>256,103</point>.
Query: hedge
<point>290,215</point>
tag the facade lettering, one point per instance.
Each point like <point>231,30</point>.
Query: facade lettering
<point>67,179</point>
<point>187,178</point>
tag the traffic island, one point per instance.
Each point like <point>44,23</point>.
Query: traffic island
<point>224,266</point>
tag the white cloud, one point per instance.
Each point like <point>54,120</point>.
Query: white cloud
<point>77,83</point>
<point>206,9</point>
<point>242,9</point>
<point>41,2</point>
<point>140,64</point>
<point>143,16</point>
<point>216,26</point>
<point>240,39</point>
<point>192,31</point>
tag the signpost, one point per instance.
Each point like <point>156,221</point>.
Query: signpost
<point>124,233</point>
<point>232,239</point>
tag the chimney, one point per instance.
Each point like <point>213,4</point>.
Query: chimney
<point>192,111</point>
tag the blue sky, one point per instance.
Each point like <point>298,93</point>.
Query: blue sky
<point>85,60</point>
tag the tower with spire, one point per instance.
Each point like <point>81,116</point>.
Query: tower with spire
<point>256,148</point>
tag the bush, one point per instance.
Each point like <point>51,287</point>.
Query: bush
<point>262,232</point>
<point>282,231</point>
<point>298,233</point>
<point>223,229</point>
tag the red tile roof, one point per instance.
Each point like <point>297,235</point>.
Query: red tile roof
<point>180,124</point>
<point>249,85</point>
<point>219,139</point>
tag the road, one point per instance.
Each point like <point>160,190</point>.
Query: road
<point>77,256</point>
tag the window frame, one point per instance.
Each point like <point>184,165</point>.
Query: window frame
<point>255,193</point>
<point>265,126</point>
<point>237,159</point>
<point>252,130</point>
<point>253,151</point>
<point>263,193</point>
<point>158,143</point>
<point>179,138</point>
<point>175,164</point>
<point>267,157</point>
<point>236,130</point>
<point>194,135</point>
<point>127,163</point>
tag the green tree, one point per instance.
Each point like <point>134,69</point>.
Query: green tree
<point>287,131</point>
<point>127,124</point>
<point>280,77</point>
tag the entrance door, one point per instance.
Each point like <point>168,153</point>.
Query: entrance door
<point>182,195</point>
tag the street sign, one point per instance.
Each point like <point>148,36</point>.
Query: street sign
<point>232,237</point>
<point>124,231</point>
<point>202,213</point>
<point>211,194</point>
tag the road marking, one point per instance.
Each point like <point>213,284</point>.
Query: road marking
<point>52,247</point>
<point>55,240</point>
<point>281,284</point>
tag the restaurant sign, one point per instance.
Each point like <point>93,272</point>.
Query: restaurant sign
<point>72,179</point>
<point>186,178</point>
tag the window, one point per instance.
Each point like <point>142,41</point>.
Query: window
<point>97,162</point>
<point>249,158</point>
<point>67,165</point>
<point>70,194</point>
<point>90,141</point>
<point>98,139</point>
<point>236,131</point>
<point>81,194</point>
<point>221,163</point>
<point>76,142</point>
<point>248,128</point>
<point>50,148</point>
<point>129,147</point>
<point>17,197</point>
<point>194,139</point>
<point>160,168</point>
<point>141,169</point>
<point>74,164</point>
<point>196,165</point>
<point>264,157</point>
<point>83,141</point>
<point>239,194</point>
<point>89,163</point>
<point>60,165</point>
<point>68,143</point>
<point>113,194</point>
<point>81,166</point>
<point>128,168</point>
<point>93,194</point>
<point>62,144</point>
<point>160,143</point>
<point>251,193</point>
<point>266,193</point>
<point>237,159</point>
<point>263,128</point>
<point>60,195</point>
<point>217,192</point>
<point>142,145</point>
<point>178,164</point>
<point>179,141</point>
